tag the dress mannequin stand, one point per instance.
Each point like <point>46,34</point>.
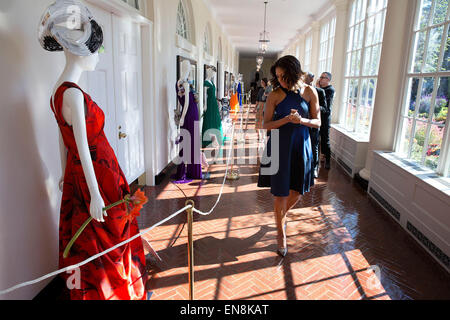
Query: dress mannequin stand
<point>189,122</point>
<point>93,179</point>
<point>212,133</point>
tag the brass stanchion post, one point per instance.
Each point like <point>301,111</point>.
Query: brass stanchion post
<point>190,220</point>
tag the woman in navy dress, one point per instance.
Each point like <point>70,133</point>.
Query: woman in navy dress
<point>292,108</point>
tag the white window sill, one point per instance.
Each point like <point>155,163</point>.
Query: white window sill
<point>352,135</point>
<point>424,174</point>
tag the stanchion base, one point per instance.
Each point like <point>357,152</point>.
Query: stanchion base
<point>233,175</point>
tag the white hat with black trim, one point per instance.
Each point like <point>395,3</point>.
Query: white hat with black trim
<point>68,24</point>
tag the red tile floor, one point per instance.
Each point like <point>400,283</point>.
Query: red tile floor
<point>338,239</point>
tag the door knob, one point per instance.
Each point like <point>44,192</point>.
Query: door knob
<point>122,135</point>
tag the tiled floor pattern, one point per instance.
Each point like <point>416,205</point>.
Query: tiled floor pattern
<point>339,241</point>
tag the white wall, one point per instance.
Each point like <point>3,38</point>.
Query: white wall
<point>29,162</point>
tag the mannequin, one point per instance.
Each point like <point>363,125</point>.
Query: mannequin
<point>212,122</point>
<point>74,111</point>
<point>92,175</point>
<point>184,82</point>
<point>189,122</point>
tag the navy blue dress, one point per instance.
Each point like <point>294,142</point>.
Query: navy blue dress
<point>295,170</point>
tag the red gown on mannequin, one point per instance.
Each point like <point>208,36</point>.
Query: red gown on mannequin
<point>120,274</point>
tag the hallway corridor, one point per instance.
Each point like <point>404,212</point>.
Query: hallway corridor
<point>338,239</point>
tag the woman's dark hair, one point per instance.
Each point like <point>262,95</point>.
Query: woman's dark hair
<point>292,71</point>
<point>265,81</point>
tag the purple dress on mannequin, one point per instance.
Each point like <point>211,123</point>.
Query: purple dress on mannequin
<point>193,170</point>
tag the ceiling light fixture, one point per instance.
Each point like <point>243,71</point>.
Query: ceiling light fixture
<point>264,36</point>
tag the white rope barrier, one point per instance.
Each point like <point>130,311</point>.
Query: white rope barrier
<point>224,179</point>
<point>76,266</point>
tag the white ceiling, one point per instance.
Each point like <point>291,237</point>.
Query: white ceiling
<point>243,20</point>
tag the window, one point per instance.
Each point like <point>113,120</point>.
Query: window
<point>327,34</point>
<point>207,41</point>
<point>365,39</point>
<point>182,22</point>
<point>308,49</point>
<point>423,121</point>
<point>134,3</point>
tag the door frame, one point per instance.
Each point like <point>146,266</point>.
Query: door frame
<point>122,9</point>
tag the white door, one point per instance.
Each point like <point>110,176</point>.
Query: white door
<point>99,84</point>
<point>128,94</point>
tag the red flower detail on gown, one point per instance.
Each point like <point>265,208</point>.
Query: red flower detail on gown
<point>120,274</point>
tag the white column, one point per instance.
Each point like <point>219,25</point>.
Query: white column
<point>399,18</point>
<point>315,26</point>
<point>301,49</point>
<point>339,52</point>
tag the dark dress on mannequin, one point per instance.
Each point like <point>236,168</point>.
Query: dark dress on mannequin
<point>120,274</point>
<point>295,152</point>
<point>211,118</point>
<point>193,170</point>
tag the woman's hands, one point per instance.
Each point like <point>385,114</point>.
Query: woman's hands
<point>96,208</point>
<point>294,117</point>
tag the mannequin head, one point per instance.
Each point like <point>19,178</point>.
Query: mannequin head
<point>210,73</point>
<point>185,69</point>
<point>85,63</point>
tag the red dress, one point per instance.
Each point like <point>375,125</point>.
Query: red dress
<point>120,274</point>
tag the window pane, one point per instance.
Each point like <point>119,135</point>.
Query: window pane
<point>350,39</point>
<point>375,61</point>
<point>364,91</point>
<point>368,61</point>
<point>406,136</point>
<point>419,50</point>
<point>356,63</point>
<point>361,35</point>
<point>434,49</point>
<point>365,116</point>
<point>349,64</point>
<point>372,7</point>
<point>425,98</point>
<point>442,101</point>
<point>351,117</point>
<point>434,146</point>
<point>446,59</point>
<point>352,17</point>
<point>425,13</point>
<point>370,31</point>
<point>440,11</point>
<point>419,140</point>
<point>371,93</point>
<point>413,87</point>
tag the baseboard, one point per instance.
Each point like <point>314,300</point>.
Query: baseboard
<point>163,175</point>
<point>362,182</point>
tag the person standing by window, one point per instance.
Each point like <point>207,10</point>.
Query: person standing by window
<point>324,82</point>
<point>315,133</point>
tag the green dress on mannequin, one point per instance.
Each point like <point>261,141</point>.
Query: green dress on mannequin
<point>211,118</point>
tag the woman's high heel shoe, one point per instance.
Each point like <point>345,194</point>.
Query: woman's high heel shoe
<point>283,251</point>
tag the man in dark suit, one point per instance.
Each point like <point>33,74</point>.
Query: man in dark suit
<point>315,133</point>
<point>324,83</point>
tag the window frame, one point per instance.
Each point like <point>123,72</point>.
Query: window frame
<point>351,52</point>
<point>185,16</point>
<point>443,166</point>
